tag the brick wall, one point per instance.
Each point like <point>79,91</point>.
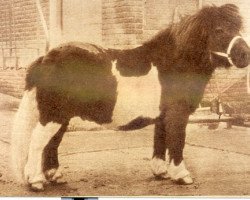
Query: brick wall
<point>22,39</point>
<point>127,23</point>
<point>20,24</point>
<point>159,13</point>
<point>238,98</point>
<point>223,80</point>
<point>82,21</point>
<point>122,22</point>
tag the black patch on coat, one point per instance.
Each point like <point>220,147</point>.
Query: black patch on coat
<point>75,79</point>
<point>133,62</point>
<point>72,81</point>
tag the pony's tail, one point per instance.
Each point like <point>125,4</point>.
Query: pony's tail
<point>25,120</point>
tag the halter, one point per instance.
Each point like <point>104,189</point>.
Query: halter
<point>228,53</point>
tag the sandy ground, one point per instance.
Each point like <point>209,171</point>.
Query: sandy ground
<point>107,163</point>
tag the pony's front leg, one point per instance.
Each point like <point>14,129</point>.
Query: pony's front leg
<point>160,161</point>
<point>33,171</point>
<point>175,121</point>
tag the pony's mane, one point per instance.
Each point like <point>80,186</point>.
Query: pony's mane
<point>190,35</point>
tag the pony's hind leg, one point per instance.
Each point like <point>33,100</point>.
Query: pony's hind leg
<point>25,120</point>
<point>41,136</point>
<point>50,157</point>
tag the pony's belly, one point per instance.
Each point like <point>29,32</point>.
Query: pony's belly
<point>136,96</point>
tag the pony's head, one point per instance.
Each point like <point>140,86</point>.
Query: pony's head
<point>225,42</point>
<point>214,33</point>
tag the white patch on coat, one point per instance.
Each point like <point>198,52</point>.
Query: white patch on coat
<point>137,96</point>
<point>25,120</point>
<point>41,136</point>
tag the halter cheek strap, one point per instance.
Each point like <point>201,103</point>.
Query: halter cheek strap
<point>228,53</point>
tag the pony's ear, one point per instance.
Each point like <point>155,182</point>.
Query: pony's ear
<point>133,62</point>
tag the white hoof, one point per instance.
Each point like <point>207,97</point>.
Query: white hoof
<point>59,181</point>
<point>187,180</point>
<point>159,167</point>
<point>179,173</point>
<point>31,176</point>
<point>37,187</point>
<point>55,176</point>
<point>50,173</point>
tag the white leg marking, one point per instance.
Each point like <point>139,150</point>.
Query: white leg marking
<point>25,120</point>
<point>159,167</point>
<point>40,137</point>
<point>179,173</point>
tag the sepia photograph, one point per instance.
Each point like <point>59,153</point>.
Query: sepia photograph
<point>135,98</point>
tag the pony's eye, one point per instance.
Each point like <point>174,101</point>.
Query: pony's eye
<point>219,30</point>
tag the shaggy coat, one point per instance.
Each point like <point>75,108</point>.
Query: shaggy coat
<point>76,79</point>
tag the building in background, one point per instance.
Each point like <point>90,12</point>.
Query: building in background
<point>29,27</point>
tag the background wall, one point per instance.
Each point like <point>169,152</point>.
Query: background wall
<point>22,39</point>
<point>82,21</point>
<point>122,22</point>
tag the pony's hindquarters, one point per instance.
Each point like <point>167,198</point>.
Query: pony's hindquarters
<point>25,120</point>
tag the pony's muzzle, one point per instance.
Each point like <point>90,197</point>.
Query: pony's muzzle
<point>240,54</point>
<point>237,54</point>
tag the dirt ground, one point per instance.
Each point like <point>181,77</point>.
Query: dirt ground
<point>109,163</point>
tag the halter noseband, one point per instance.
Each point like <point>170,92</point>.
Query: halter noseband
<point>230,46</point>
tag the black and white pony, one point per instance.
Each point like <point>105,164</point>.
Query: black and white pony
<point>85,80</point>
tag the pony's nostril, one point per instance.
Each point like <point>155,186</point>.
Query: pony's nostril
<point>243,59</point>
<point>244,56</point>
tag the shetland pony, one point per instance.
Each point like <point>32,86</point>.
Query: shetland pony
<point>78,79</point>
